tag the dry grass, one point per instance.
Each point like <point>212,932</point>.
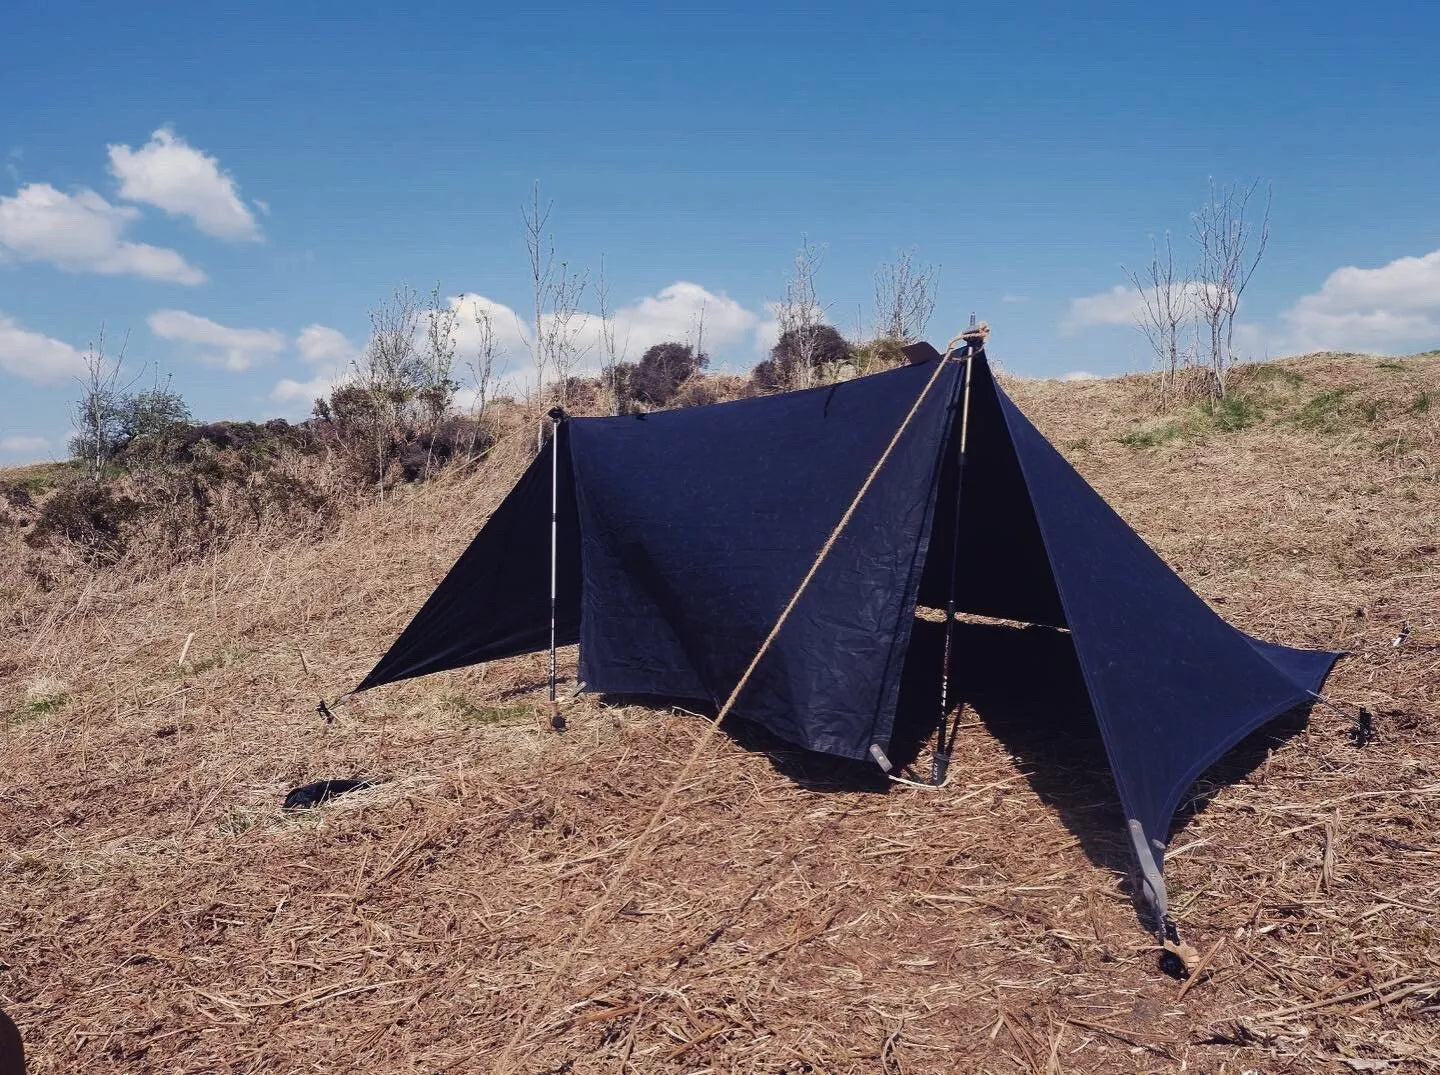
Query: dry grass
<point>159,913</point>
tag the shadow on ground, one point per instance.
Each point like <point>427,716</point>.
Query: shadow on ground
<point>1025,687</point>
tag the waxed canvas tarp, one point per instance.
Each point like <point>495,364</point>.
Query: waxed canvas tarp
<point>684,533</point>
<point>697,526</point>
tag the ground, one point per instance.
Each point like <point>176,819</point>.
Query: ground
<point>160,913</point>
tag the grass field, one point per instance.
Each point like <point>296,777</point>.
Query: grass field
<point>159,913</point>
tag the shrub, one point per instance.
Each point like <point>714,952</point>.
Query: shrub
<point>657,377</point>
<point>89,515</point>
<point>822,346</point>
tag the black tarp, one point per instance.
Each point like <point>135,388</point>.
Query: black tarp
<point>495,602</point>
<point>684,533</point>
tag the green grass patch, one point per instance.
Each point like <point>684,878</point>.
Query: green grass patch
<point>1270,373</point>
<point>1391,366</point>
<point>1321,413</point>
<point>39,478</point>
<point>1420,404</point>
<point>492,716</point>
<point>1234,413</point>
<point>37,704</point>
<point>1081,445</point>
<point>1237,411</point>
<point>1153,437</point>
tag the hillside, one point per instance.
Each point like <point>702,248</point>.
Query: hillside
<point>159,913</point>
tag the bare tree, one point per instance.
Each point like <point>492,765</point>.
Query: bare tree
<point>435,392</point>
<point>696,336</point>
<point>390,371</point>
<point>1167,306</point>
<point>1231,246</point>
<point>437,361</point>
<point>99,412</point>
<point>564,326</point>
<point>556,292</point>
<point>482,362</point>
<point>611,356</point>
<point>904,298</point>
<point>800,314</point>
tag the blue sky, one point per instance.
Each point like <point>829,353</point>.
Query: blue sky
<point>237,190</point>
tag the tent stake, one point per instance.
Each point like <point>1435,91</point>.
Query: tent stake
<point>974,340</point>
<point>557,415</point>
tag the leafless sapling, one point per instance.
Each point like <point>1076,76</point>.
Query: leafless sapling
<point>904,298</point>
<point>799,316</point>
<point>1231,245</point>
<point>556,292</point>
<point>99,411</point>
<point>1167,306</point>
<point>611,354</point>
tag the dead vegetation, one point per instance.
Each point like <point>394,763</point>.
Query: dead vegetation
<point>159,913</point>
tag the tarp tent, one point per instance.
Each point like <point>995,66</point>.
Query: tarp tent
<point>682,534</point>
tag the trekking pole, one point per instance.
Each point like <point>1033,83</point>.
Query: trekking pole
<point>974,339</point>
<point>557,415</point>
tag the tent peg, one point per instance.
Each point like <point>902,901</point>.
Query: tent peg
<point>1363,730</point>
<point>939,768</point>
<point>324,710</point>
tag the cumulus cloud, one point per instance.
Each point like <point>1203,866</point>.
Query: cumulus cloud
<point>24,446</point>
<point>170,174</point>
<point>321,345</point>
<point>82,232</point>
<point>1391,309</point>
<point>1080,375</point>
<point>236,349</point>
<point>328,352</point>
<point>298,395</point>
<point>673,313</point>
<point>1121,305</point>
<point>34,356</point>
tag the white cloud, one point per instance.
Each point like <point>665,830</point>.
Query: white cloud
<point>170,174</point>
<point>674,314</point>
<point>321,345</point>
<point>1014,298</point>
<point>1392,309</point>
<point>303,393</point>
<point>82,232</point>
<point>1120,305</point>
<point>34,356</point>
<point>235,349</point>
<point>1080,375</point>
<point>28,447</point>
<point>328,352</point>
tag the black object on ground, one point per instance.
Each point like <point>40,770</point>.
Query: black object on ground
<point>322,791</point>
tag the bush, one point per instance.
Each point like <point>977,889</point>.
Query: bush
<point>89,515</point>
<point>656,378</point>
<point>375,448</point>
